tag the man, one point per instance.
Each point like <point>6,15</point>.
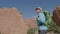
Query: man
<point>42,28</point>
<point>56,15</point>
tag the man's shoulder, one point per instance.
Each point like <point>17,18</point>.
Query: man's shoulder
<point>42,13</point>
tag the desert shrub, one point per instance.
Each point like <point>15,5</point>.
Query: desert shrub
<point>32,31</point>
<point>1,33</point>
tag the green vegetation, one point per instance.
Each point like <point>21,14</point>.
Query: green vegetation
<point>32,31</point>
<point>1,33</point>
<point>54,28</point>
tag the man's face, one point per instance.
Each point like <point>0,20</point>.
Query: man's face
<point>58,10</point>
<point>38,11</point>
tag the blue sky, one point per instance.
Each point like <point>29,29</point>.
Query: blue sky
<point>27,7</point>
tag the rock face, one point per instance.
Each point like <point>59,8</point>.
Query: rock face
<point>56,15</point>
<point>11,21</point>
<point>31,23</point>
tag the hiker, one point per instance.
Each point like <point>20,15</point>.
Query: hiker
<point>41,20</point>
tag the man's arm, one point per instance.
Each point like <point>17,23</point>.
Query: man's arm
<point>37,20</point>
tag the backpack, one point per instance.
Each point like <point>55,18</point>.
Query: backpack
<point>48,18</point>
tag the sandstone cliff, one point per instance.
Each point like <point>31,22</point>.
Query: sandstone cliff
<point>11,21</point>
<point>31,23</point>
